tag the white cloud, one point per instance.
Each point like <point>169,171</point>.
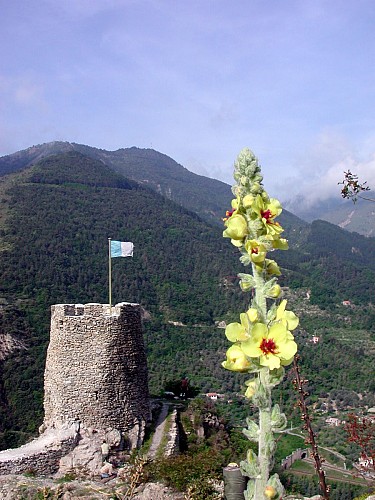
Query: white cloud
<point>323,167</point>
<point>24,91</point>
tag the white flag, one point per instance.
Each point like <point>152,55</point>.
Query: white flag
<point>121,249</point>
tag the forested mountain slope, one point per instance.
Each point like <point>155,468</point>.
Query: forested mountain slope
<point>55,220</point>
<point>209,198</point>
<point>147,167</point>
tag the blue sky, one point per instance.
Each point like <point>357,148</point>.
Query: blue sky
<point>198,80</point>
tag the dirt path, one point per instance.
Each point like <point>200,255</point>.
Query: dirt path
<point>159,432</point>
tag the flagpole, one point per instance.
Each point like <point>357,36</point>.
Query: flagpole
<point>110,276</point>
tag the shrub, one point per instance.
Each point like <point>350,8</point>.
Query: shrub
<point>189,471</point>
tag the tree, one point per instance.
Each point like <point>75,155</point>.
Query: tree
<point>352,187</point>
<point>362,432</point>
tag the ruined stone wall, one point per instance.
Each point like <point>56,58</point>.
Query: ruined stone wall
<point>96,369</point>
<point>45,461</point>
<point>298,454</point>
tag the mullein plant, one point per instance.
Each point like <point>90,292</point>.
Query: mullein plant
<point>262,342</point>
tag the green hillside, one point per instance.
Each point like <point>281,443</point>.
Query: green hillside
<point>55,220</point>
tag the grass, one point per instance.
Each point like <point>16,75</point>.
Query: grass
<point>286,444</point>
<point>300,466</point>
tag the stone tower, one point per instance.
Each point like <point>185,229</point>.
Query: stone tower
<point>96,369</point>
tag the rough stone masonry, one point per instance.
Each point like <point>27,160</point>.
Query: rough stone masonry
<point>95,380</point>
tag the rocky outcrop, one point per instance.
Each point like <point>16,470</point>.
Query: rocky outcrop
<point>8,344</point>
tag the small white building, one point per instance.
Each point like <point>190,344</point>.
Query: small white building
<point>333,421</point>
<point>214,395</point>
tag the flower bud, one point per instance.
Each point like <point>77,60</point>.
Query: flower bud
<point>251,389</point>
<point>274,292</point>
<point>255,188</point>
<point>270,492</point>
<point>248,201</point>
<point>252,314</point>
<point>236,360</point>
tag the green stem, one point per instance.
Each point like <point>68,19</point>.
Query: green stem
<point>265,438</point>
<point>259,294</point>
<point>265,429</point>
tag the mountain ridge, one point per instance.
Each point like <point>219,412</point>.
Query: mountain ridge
<point>170,178</point>
<point>208,197</point>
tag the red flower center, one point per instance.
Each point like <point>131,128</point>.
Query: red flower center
<point>255,250</point>
<point>266,214</point>
<point>268,346</point>
<point>228,214</point>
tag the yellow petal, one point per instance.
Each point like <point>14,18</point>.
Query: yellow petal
<point>233,331</point>
<point>252,314</point>
<point>236,227</point>
<point>270,360</point>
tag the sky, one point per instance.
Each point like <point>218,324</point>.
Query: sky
<point>198,80</point>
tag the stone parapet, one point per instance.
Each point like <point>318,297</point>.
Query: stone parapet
<point>42,455</point>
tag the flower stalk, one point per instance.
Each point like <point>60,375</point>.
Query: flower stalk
<point>262,342</point>
<point>299,383</point>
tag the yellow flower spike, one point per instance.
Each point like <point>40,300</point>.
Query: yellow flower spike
<point>263,342</point>
<point>236,360</point>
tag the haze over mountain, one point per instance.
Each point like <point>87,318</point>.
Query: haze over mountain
<point>56,214</point>
<point>358,216</point>
<point>208,197</point>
